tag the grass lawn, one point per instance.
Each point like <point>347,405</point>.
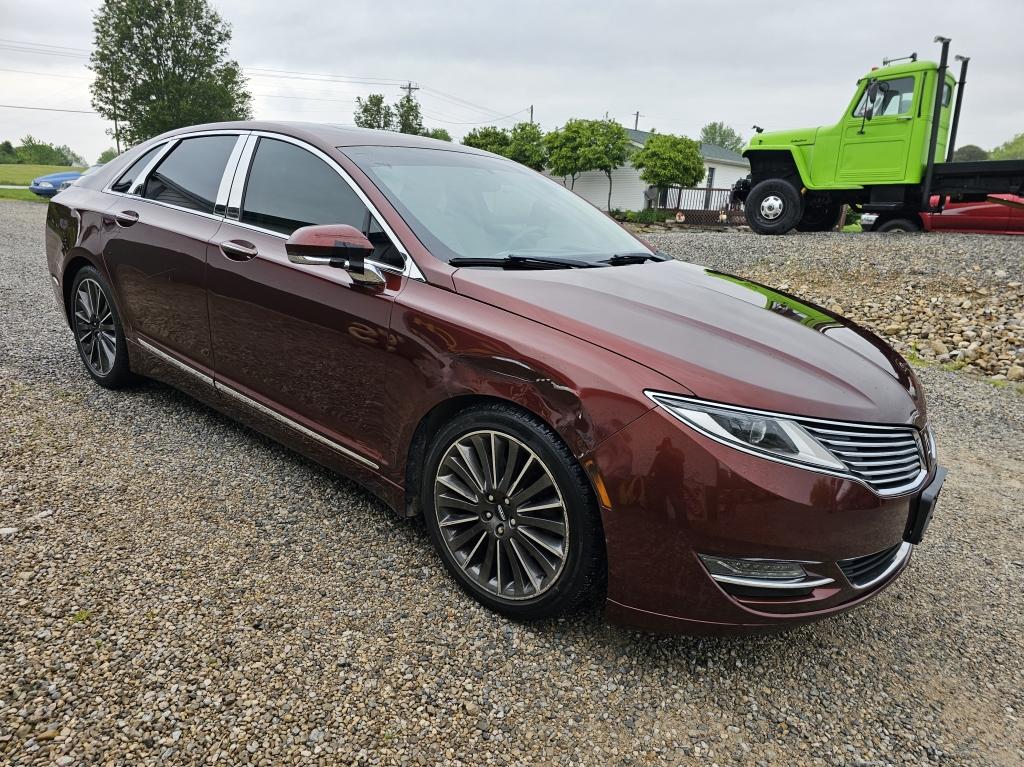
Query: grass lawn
<point>852,227</point>
<point>23,174</point>
<point>21,194</point>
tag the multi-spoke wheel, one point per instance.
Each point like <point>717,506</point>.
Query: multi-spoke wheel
<point>97,329</point>
<point>511,512</point>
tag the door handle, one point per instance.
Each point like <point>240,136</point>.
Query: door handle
<point>238,250</point>
<point>126,217</point>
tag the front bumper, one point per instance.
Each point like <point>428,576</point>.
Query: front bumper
<point>673,494</point>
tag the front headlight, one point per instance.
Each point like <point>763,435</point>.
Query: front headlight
<point>45,185</point>
<point>752,431</point>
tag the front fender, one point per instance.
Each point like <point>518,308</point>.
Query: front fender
<point>449,346</point>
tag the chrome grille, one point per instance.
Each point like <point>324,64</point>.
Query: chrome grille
<point>889,459</point>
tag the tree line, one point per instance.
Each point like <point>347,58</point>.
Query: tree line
<point>32,151</point>
<point>569,151</point>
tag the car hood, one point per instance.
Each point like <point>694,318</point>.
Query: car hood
<point>719,337</point>
<point>56,178</point>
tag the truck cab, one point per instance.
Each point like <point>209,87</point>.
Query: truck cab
<point>883,156</point>
<point>876,151</point>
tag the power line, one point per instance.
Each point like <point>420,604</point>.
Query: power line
<point>48,109</point>
<point>479,122</point>
<point>44,74</point>
<point>43,45</point>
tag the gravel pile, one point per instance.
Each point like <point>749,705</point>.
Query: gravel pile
<point>177,590</point>
<point>952,299</point>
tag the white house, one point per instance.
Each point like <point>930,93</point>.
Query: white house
<point>722,169</point>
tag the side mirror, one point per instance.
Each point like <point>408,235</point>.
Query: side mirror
<point>869,101</point>
<point>338,245</point>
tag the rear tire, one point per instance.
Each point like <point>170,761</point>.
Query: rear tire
<point>539,555</point>
<point>99,335</point>
<point>774,206</point>
<point>896,225</point>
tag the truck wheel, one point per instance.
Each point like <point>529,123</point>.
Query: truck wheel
<point>819,218</point>
<point>773,206</point>
<point>897,225</point>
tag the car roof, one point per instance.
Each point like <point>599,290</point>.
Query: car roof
<point>331,134</point>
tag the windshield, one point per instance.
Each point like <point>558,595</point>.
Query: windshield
<point>472,206</point>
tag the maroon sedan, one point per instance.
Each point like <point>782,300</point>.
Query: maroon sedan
<point>572,413</point>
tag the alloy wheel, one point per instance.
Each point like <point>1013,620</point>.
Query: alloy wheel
<point>501,515</point>
<point>94,327</point>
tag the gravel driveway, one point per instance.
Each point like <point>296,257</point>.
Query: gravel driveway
<point>180,590</point>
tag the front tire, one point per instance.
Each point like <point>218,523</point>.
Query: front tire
<point>511,513</point>
<point>774,206</point>
<point>99,335</point>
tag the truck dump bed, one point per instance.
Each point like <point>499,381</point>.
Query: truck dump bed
<point>966,180</point>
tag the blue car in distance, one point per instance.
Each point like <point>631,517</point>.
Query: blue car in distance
<point>47,186</point>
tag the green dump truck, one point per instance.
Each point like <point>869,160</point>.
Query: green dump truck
<point>883,156</point>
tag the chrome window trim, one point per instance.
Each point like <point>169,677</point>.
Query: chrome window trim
<point>238,179</point>
<point>203,213</point>
<point>409,269</point>
<point>221,200</point>
<point>914,484</point>
<point>291,423</point>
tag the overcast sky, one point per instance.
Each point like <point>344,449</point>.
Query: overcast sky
<point>681,64</point>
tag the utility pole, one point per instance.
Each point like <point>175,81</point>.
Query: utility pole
<point>531,114</point>
<point>409,88</point>
<point>636,119</point>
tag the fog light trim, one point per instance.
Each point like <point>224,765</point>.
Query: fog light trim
<point>777,574</point>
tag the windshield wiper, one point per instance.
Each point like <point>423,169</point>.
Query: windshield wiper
<point>512,261</point>
<point>624,259</point>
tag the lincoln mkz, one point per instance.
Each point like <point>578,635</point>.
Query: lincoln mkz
<point>574,414</point>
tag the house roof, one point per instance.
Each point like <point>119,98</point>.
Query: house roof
<point>707,151</point>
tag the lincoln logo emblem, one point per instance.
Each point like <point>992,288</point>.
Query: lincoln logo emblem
<point>501,512</point>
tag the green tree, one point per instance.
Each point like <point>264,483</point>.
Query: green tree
<point>489,138</point>
<point>720,134</point>
<point>438,133</point>
<point>608,148</point>
<point>667,160</point>
<point>374,113</point>
<point>7,154</point>
<point>567,150</point>
<point>32,151</point>
<point>1011,150</point>
<point>162,64</point>
<point>107,156</point>
<point>969,153</point>
<point>526,145</point>
<point>408,117</point>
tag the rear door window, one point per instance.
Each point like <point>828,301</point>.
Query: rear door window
<point>190,175</point>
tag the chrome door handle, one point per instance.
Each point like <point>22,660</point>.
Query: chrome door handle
<point>126,217</point>
<point>238,250</point>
